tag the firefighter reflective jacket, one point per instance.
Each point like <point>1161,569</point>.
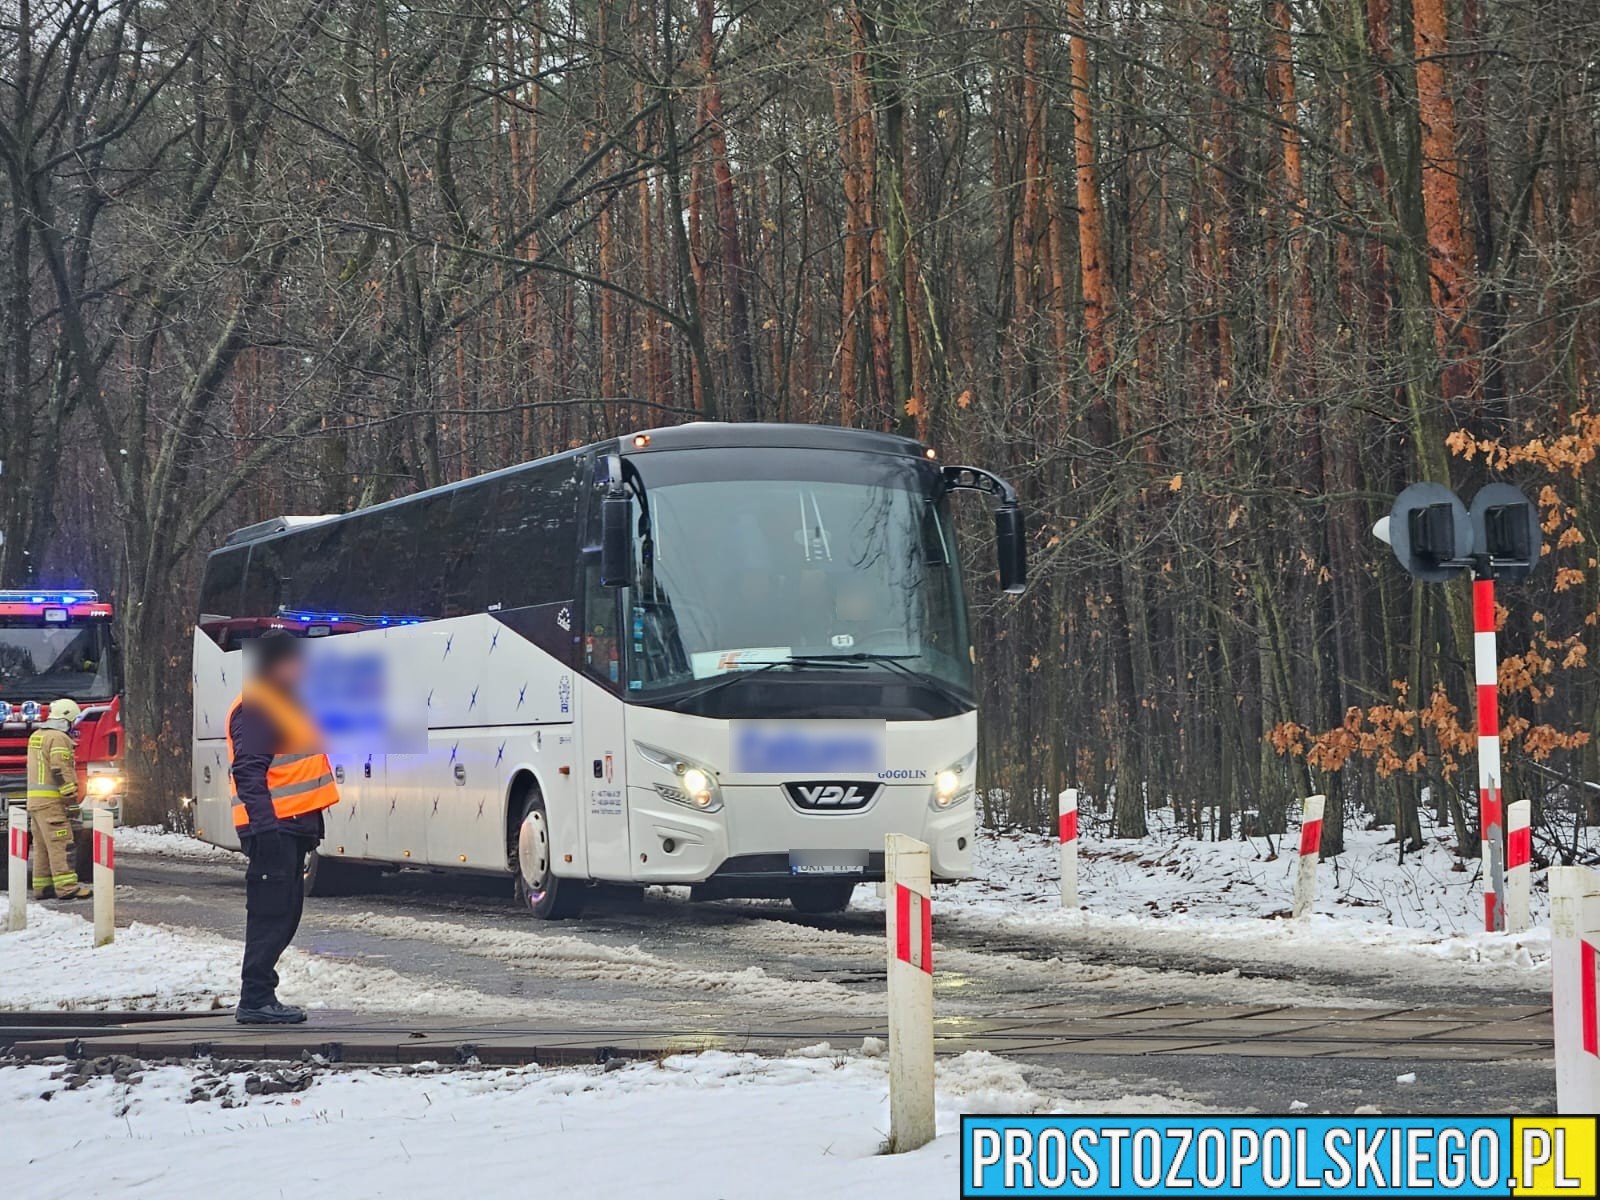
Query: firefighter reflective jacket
<point>299,776</point>
<point>52,773</point>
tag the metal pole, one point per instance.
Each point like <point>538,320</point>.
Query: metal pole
<point>1574,932</point>
<point>1305,879</point>
<point>1067,807</point>
<point>908,886</point>
<point>1519,864</point>
<point>17,867</point>
<point>1491,822</point>
<point>105,878</point>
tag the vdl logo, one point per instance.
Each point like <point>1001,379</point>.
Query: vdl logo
<point>826,796</point>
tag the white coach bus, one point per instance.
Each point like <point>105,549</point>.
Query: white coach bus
<point>731,656</point>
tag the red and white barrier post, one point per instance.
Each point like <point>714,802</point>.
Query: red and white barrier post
<point>1574,950</point>
<point>17,867</point>
<point>1305,879</point>
<point>1067,807</point>
<point>105,877</point>
<point>1491,822</point>
<point>1519,864</point>
<point>908,886</point>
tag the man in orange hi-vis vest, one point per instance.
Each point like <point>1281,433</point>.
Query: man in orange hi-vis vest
<point>281,781</point>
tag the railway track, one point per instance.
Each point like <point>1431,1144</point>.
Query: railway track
<point>1460,1034</point>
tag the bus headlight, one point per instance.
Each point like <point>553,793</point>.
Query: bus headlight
<point>693,785</point>
<point>952,785</point>
<point>100,787</point>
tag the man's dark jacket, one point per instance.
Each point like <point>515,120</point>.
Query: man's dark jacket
<point>255,740</point>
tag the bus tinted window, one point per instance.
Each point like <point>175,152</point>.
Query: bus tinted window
<point>434,546</point>
<point>380,567</point>
<point>319,556</point>
<point>263,580</point>
<point>219,590</point>
<point>499,543</point>
<point>531,543</point>
<point>467,531</point>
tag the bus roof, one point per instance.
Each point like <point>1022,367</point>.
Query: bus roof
<point>750,435</point>
<point>696,435</point>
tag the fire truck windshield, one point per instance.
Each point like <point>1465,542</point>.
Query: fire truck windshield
<point>46,662</point>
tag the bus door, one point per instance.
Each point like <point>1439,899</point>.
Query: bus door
<point>601,730</point>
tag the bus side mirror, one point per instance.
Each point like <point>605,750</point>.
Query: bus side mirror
<point>1011,545</point>
<point>616,541</point>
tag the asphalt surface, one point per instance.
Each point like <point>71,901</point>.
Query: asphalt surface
<point>660,961</point>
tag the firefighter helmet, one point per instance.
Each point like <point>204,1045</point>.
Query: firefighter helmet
<point>65,710</point>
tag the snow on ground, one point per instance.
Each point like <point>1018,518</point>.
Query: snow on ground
<point>561,956</point>
<point>1170,892</point>
<point>1167,873</point>
<point>695,1126</point>
<point>54,964</point>
<point>164,843</point>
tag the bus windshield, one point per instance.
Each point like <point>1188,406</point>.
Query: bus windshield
<point>801,562</point>
<point>48,662</point>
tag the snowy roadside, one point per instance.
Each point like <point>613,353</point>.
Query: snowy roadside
<point>694,1126</point>
<point>53,964</point>
<point>1167,873</point>
<point>163,843</point>
<point>1158,903</point>
<point>1167,894</point>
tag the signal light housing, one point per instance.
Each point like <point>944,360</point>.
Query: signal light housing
<point>1508,535</point>
<point>1430,532</point>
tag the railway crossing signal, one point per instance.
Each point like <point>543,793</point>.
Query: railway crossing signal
<point>1497,537</point>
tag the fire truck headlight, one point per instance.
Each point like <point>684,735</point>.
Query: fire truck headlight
<point>102,786</point>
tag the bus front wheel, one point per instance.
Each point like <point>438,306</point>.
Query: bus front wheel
<point>537,887</point>
<point>814,897</point>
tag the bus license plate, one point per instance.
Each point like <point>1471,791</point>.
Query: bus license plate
<point>827,862</point>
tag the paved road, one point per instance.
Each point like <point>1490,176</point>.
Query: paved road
<point>662,963</point>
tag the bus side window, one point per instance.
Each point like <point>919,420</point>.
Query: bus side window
<point>220,587</point>
<point>328,555</point>
<point>531,536</point>
<point>263,580</point>
<point>465,590</point>
<point>434,548</point>
<point>601,649</point>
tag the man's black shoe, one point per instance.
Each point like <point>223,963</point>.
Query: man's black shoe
<point>270,1014</point>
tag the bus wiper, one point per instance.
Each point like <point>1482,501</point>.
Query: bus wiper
<point>895,662</point>
<point>732,677</point>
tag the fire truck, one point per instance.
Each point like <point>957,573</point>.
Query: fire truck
<point>57,643</point>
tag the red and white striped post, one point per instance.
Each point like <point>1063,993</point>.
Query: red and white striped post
<point>1067,808</point>
<point>17,867</point>
<point>1519,864</point>
<point>909,887</point>
<point>1305,879</point>
<point>1491,822</point>
<point>105,877</point>
<point>1574,939</point>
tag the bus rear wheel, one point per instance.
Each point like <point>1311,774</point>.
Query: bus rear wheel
<point>816,898</point>
<point>537,887</point>
<point>325,876</point>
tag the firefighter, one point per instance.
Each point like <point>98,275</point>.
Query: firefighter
<point>52,790</point>
<point>281,781</point>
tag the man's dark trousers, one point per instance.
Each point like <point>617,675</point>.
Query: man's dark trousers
<point>274,898</point>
